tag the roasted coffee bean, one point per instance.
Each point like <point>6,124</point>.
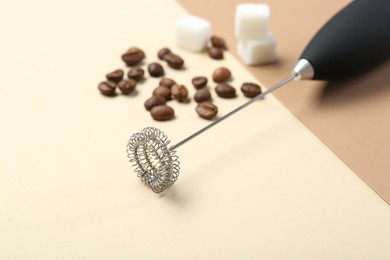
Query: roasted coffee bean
<point>154,101</point>
<point>216,53</point>
<point>127,86</point>
<point>250,89</point>
<point>202,95</point>
<point>174,61</point>
<point>167,82</point>
<point>179,92</point>
<point>107,88</point>
<point>161,53</point>
<point>155,69</point>
<point>199,82</point>
<point>221,74</point>
<point>162,91</point>
<point>116,75</point>
<point>218,42</point>
<point>136,73</point>
<point>162,113</point>
<point>206,110</point>
<point>133,56</point>
<point>225,90</point>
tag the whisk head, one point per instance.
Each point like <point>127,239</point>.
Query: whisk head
<point>156,164</point>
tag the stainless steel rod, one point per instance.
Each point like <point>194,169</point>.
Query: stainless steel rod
<point>217,121</point>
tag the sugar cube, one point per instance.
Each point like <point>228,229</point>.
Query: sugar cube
<point>251,21</point>
<point>192,33</point>
<point>254,52</point>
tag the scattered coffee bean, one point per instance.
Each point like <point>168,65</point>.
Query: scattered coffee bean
<point>168,89</point>
<point>202,95</point>
<point>133,56</point>
<point>216,53</point>
<point>116,75</point>
<point>161,53</point>
<point>206,110</point>
<point>167,82</point>
<point>221,74</point>
<point>162,113</point>
<point>218,42</point>
<point>199,82</point>
<point>250,89</point>
<point>162,91</point>
<point>155,69</point>
<point>127,86</point>
<point>179,92</point>
<point>136,73</point>
<point>174,61</point>
<point>107,88</point>
<point>225,90</point>
<point>154,101</point>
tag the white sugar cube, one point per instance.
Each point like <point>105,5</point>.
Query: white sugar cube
<point>257,52</point>
<point>251,21</point>
<point>192,33</point>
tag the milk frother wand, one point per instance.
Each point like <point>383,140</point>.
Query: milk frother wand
<point>354,40</point>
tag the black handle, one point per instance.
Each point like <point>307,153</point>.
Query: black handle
<point>355,39</point>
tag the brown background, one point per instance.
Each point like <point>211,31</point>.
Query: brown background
<point>351,116</point>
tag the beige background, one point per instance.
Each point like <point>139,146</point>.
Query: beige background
<point>350,116</point>
<point>258,186</point>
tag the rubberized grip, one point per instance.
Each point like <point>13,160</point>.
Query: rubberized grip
<point>355,39</point>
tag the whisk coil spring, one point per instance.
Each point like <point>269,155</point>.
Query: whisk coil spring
<point>156,164</point>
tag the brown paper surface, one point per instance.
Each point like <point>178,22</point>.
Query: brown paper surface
<point>351,116</point>
<point>260,185</point>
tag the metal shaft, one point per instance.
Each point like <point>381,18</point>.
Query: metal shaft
<point>269,90</point>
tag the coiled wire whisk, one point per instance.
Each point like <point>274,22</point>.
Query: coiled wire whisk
<point>155,163</point>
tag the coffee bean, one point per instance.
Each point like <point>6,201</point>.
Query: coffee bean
<point>225,90</point>
<point>179,92</point>
<point>167,82</point>
<point>107,88</point>
<point>218,42</point>
<point>215,53</point>
<point>174,61</point>
<point>154,101</point>
<point>202,95</point>
<point>199,82</point>
<point>136,73</point>
<point>221,74</point>
<point>127,86</point>
<point>162,91</point>
<point>206,110</point>
<point>133,56</point>
<point>250,89</point>
<point>161,53</point>
<point>115,76</point>
<point>155,69</point>
<point>162,113</point>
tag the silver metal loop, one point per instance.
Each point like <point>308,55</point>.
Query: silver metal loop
<point>156,164</point>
